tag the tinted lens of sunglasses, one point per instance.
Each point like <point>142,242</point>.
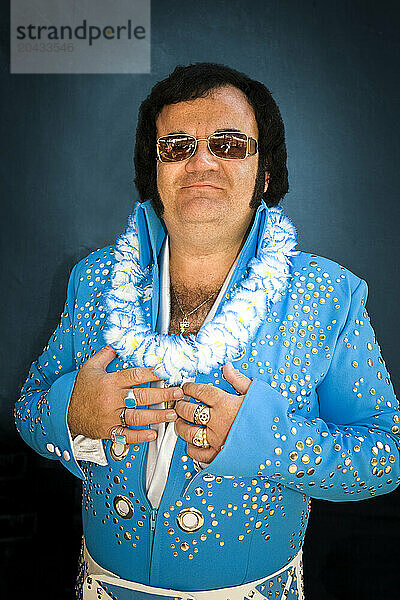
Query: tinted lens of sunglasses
<point>229,145</point>
<point>175,148</point>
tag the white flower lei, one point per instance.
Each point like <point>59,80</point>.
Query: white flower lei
<point>224,337</point>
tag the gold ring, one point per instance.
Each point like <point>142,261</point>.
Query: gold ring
<point>201,415</point>
<point>205,441</point>
<point>200,438</point>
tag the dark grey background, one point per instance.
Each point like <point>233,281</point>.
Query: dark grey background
<point>66,178</point>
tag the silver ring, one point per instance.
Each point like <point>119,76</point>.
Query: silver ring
<point>122,417</point>
<point>201,415</point>
<point>130,399</point>
<point>117,435</point>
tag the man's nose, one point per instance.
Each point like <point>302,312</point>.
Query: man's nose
<point>202,158</point>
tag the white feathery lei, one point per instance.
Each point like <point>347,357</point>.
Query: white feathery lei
<point>174,357</point>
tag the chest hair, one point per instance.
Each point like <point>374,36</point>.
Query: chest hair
<point>188,300</point>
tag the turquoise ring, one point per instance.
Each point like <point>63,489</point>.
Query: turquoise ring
<point>117,435</point>
<point>130,400</point>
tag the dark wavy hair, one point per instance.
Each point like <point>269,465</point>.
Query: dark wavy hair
<point>197,81</point>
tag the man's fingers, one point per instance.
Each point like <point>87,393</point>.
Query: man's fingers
<point>238,380</point>
<point>187,433</point>
<point>102,358</point>
<point>205,455</point>
<point>134,436</point>
<point>127,378</point>
<point>208,394</point>
<point>146,396</point>
<point>137,417</point>
<point>186,410</point>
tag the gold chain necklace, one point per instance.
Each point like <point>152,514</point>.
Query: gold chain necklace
<point>184,323</point>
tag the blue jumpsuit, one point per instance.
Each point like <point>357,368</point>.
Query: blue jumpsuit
<point>320,420</point>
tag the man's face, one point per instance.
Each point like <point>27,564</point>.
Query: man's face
<point>228,196</point>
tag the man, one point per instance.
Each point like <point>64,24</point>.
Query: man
<point>208,377</point>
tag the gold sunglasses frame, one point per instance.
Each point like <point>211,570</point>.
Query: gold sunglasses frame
<point>197,139</point>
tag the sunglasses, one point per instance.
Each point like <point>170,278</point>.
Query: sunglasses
<point>229,145</point>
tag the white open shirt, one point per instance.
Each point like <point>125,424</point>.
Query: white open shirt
<point>161,449</point>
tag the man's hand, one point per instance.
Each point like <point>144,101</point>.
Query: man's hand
<point>223,410</point>
<point>98,398</point>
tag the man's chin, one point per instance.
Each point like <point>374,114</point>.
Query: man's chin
<point>199,207</point>
<point>202,209</point>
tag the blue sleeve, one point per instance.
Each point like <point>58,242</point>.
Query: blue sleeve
<point>351,451</point>
<point>41,411</point>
